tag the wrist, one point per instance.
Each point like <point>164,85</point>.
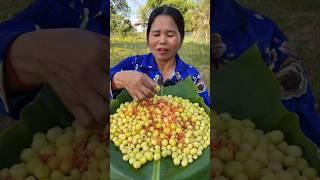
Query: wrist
<point>13,82</point>
<point>21,69</point>
<point>118,80</point>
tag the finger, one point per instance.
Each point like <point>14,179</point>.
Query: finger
<point>140,95</point>
<point>148,82</point>
<point>133,95</point>
<point>81,115</point>
<point>105,53</point>
<point>135,98</point>
<point>96,106</point>
<point>147,92</point>
<point>217,38</point>
<point>101,84</point>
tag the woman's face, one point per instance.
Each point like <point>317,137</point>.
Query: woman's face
<point>164,38</point>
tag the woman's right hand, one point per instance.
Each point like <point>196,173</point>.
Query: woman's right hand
<point>139,85</point>
<point>72,61</point>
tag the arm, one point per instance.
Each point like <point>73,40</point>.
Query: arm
<point>72,61</point>
<point>297,95</point>
<point>42,13</point>
<point>124,76</point>
<point>202,88</point>
<point>117,84</point>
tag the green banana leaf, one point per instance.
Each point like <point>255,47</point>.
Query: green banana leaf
<point>163,169</point>
<point>45,112</point>
<point>248,89</point>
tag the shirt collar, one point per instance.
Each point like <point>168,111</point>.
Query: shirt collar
<point>149,62</point>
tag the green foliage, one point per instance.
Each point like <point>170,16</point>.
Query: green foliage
<point>154,3</point>
<point>119,23</point>
<point>119,7</point>
<point>184,6</point>
<point>248,89</point>
<point>163,169</point>
<point>199,18</point>
<point>300,21</point>
<point>196,14</point>
<point>45,112</point>
<point>120,26</point>
<point>8,8</point>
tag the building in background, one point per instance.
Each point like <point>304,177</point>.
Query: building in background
<point>140,27</point>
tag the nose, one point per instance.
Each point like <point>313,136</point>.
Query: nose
<point>163,39</point>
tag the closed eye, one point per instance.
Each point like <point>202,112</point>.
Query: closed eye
<point>171,34</point>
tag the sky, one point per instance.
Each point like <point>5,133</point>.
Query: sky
<point>134,6</point>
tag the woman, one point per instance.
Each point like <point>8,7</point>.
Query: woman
<point>140,74</point>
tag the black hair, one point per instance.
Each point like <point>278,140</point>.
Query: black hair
<point>170,11</point>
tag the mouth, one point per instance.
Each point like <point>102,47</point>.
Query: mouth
<point>162,50</point>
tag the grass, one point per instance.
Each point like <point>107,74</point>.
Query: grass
<point>8,8</point>
<point>194,53</point>
<point>300,21</point>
